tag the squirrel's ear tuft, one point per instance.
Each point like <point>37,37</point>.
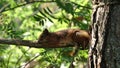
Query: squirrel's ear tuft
<point>46,31</point>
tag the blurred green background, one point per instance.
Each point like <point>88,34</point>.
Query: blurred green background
<point>26,19</point>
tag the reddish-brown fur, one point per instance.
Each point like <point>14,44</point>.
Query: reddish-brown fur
<point>65,37</point>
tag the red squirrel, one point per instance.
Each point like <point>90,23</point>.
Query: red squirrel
<point>76,37</point>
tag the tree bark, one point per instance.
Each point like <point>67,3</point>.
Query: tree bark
<point>104,49</point>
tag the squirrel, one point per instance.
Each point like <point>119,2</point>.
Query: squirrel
<point>76,37</point>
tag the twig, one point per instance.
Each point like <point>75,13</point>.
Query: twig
<point>31,60</point>
<point>9,59</point>
<point>3,9</point>
<point>82,6</point>
<point>21,57</point>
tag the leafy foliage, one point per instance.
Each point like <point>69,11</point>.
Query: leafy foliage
<point>26,19</point>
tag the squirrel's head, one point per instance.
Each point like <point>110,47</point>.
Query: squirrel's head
<point>44,35</point>
<point>47,37</point>
<point>45,32</point>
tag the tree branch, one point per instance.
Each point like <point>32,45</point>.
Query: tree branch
<point>28,43</point>
<point>3,9</point>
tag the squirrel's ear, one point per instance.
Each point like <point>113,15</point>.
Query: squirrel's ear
<point>46,31</point>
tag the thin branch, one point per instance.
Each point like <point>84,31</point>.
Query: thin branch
<point>19,59</point>
<point>82,6</point>
<point>28,43</point>
<point>9,57</point>
<point>3,9</point>
<point>31,60</point>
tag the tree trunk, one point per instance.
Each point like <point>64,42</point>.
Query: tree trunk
<point>104,49</point>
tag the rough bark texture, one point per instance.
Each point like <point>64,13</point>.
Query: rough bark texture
<point>112,50</point>
<point>105,43</point>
